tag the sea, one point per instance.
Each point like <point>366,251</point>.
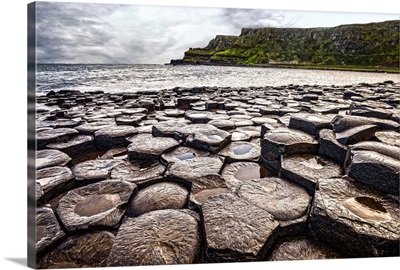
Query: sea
<point>132,78</point>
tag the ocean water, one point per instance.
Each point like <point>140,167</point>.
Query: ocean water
<point>126,78</point>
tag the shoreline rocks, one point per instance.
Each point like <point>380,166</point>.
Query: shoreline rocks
<point>207,174</point>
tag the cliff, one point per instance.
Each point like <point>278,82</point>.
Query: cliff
<point>362,46</point>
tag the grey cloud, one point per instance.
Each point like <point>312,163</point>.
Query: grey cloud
<point>103,33</point>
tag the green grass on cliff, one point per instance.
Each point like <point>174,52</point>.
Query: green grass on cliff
<point>372,47</point>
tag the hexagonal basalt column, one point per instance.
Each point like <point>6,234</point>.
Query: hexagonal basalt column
<point>355,219</point>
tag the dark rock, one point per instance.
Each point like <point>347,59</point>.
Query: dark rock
<point>85,250</point>
<point>115,136</point>
<point>307,169</point>
<point>157,238</point>
<point>286,141</point>
<point>376,170</point>
<point>141,173</point>
<point>287,202</point>
<point>184,171</point>
<point>54,180</point>
<point>351,217</point>
<point>75,146</point>
<point>93,170</point>
<point>237,173</point>
<point>303,249</point>
<point>50,158</point>
<point>330,147</point>
<point>309,123</point>
<point>53,135</point>
<point>236,230</point>
<point>356,134</point>
<point>184,102</point>
<point>241,151</point>
<point>148,147</point>
<point>48,230</point>
<point>157,197</point>
<point>95,206</point>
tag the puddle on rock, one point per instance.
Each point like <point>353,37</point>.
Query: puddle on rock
<point>201,196</point>
<point>215,137</point>
<point>96,204</point>
<point>367,208</point>
<point>185,156</point>
<point>250,172</point>
<point>312,162</point>
<point>242,149</point>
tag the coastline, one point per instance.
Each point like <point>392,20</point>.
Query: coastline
<point>338,68</point>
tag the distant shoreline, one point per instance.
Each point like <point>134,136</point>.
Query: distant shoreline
<point>354,69</point>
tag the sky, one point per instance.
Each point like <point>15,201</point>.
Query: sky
<point>91,33</point>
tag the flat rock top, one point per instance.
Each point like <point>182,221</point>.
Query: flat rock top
<point>192,168</point>
<point>312,167</point>
<point>372,157</point>
<point>382,148</point>
<point>99,204</point>
<point>94,169</point>
<point>157,238</point>
<point>238,172</point>
<point>84,250</point>
<point>148,144</point>
<point>302,249</point>
<point>288,136</point>
<point>50,158</point>
<point>183,153</point>
<point>138,172</point>
<point>156,197</point>
<point>53,176</point>
<point>279,197</point>
<point>116,131</point>
<point>360,208</point>
<point>241,151</point>
<point>233,224</point>
<point>55,133</point>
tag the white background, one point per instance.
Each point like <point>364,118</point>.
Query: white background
<point>14,127</point>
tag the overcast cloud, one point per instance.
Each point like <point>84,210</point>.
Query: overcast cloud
<point>109,34</point>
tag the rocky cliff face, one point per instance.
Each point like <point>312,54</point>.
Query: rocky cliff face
<point>373,45</point>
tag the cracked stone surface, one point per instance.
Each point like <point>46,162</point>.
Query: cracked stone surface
<point>157,238</point>
<point>94,206</point>
<point>236,230</point>
<point>354,218</point>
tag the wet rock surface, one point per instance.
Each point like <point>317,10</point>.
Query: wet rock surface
<point>86,250</point>
<point>365,222</point>
<point>157,238</point>
<point>307,169</point>
<point>97,205</point>
<point>157,197</point>
<point>232,229</point>
<point>47,228</point>
<point>303,249</point>
<point>213,148</point>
